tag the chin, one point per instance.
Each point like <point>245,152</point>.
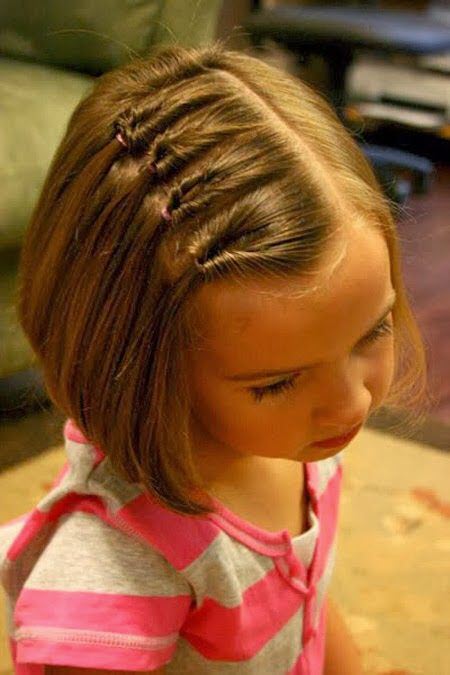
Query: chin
<point>312,454</point>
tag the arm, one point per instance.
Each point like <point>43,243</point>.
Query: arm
<point>341,653</point>
<point>68,670</point>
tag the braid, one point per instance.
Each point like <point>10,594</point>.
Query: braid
<point>129,126</point>
<point>174,151</point>
<point>174,132</point>
<point>178,192</point>
<point>141,125</point>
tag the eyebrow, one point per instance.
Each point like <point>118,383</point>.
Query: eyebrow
<point>261,374</point>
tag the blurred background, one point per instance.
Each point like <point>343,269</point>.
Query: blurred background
<point>385,67</point>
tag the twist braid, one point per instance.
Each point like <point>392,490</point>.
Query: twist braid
<point>131,128</point>
<point>141,125</point>
<point>174,206</point>
<point>174,151</point>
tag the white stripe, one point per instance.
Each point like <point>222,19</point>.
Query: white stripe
<point>327,469</point>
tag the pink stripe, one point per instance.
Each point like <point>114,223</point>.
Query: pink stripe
<point>85,503</point>
<point>312,657</point>
<point>294,572</point>
<point>189,536</point>
<point>328,510</point>
<point>193,535</point>
<point>38,519</point>
<point>125,614</point>
<point>328,513</point>
<point>267,543</point>
<point>72,433</point>
<point>87,656</point>
<point>23,668</point>
<point>312,480</point>
<point>33,523</point>
<point>266,607</point>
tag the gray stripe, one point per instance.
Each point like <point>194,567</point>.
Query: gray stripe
<point>81,459</point>
<point>86,554</point>
<point>14,573</point>
<point>116,491</point>
<point>225,570</point>
<point>83,478</point>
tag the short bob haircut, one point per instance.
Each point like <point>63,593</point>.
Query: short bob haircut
<point>257,171</point>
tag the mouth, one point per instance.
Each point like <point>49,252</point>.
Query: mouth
<point>338,440</point>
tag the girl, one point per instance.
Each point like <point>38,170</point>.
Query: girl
<point>211,284</point>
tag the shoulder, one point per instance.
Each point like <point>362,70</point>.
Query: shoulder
<point>100,596</point>
<point>86,553</point>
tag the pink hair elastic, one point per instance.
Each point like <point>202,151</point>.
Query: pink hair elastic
<point>165,214</point>
<point>152,167</point>
<point>121,140</point>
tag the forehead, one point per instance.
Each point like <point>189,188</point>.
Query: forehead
<point>240,322</point>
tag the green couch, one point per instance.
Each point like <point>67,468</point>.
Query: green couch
<point>49,53</point>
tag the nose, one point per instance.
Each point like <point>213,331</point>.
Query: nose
<point>343,401</point>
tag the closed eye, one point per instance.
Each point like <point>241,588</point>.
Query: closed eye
<point>383,329</point>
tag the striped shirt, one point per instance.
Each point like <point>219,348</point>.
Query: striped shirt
<point>101,575</point>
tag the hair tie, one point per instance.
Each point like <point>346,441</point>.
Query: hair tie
<point>166,214</point>
<point>121,140</point>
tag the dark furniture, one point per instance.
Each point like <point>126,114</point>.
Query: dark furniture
<point>337,34</point>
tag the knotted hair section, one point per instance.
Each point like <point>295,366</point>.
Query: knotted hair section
<point>257,235</point>
<point>140,126</point>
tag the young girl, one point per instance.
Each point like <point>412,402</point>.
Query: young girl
<point>211,284</point>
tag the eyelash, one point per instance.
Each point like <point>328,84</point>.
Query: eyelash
<point>383,329</point>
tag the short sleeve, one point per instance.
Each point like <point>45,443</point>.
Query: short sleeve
<point>98,597</point>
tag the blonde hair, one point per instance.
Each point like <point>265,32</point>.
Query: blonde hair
<point>257,171</point>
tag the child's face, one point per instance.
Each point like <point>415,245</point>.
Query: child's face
<point>244,328</point>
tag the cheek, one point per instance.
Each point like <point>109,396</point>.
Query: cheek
<point>214,405</point>
<point>232,416</point>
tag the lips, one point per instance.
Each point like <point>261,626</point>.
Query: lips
<point>338,440</point>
